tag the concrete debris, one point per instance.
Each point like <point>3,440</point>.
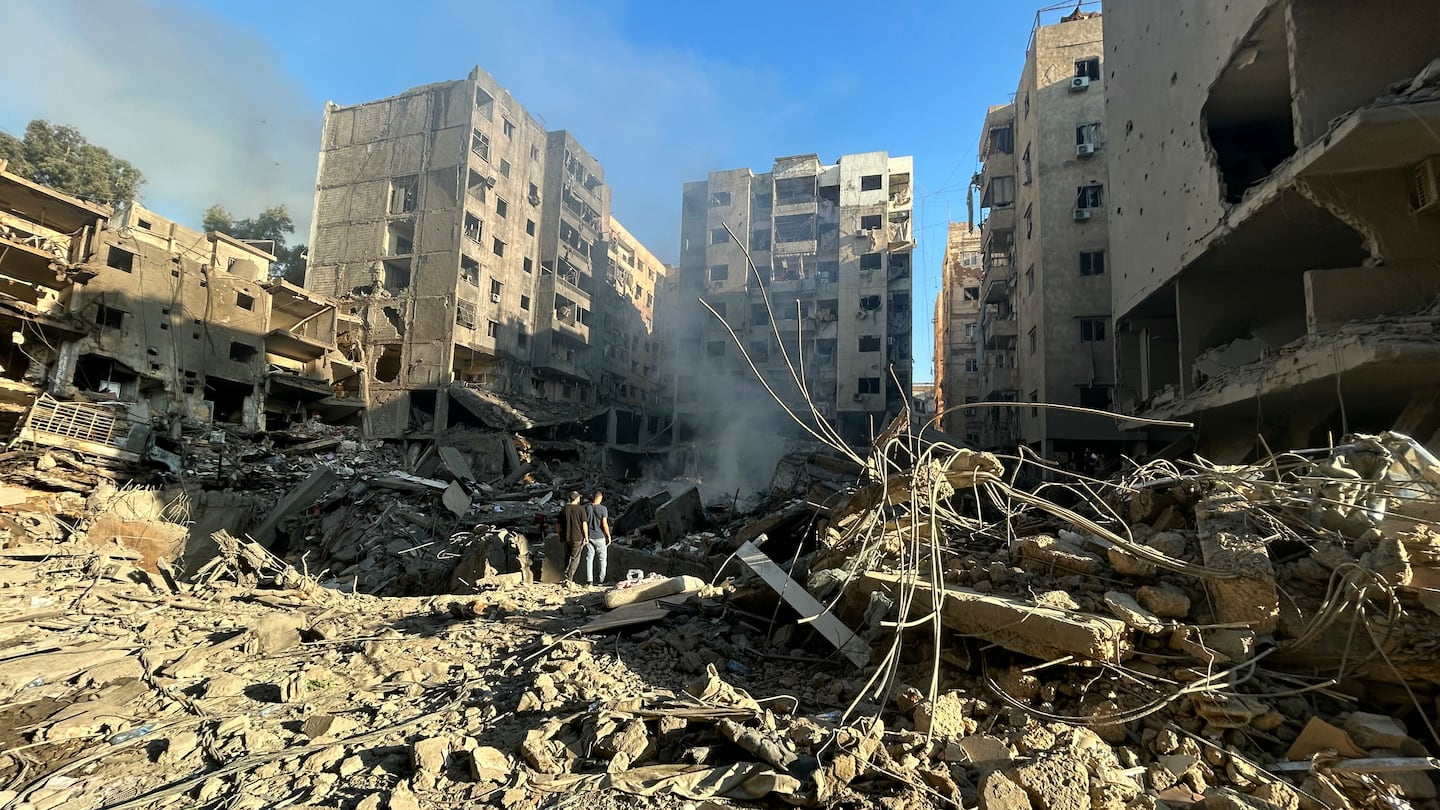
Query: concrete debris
<point>369,624</point>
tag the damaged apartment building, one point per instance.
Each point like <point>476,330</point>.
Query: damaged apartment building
<point>124,308</point>
<point>1275,217</point>
<point>830,295</point>
<point>1045,333</point>
<point>471,244</point>
<point>957,323</point>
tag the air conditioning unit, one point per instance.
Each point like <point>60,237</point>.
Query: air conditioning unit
<point>1427,185</point>
<point>495,297</point>
<point>534,199</point>
<point>1084,149</point>
<point>1081,214</point>
<point>490,181</point>
<point>859,397</point>
<point>860,314</point>
<point>1079,84</point>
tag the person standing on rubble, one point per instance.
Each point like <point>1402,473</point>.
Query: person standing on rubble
<point>597,520</point>
<point>572,533</point>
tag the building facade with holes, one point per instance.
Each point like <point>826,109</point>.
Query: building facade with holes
<point>469,242</point>
<point>957,335</point>
<point>1274,214</point>
<point>820,312</point>
<point>1045,318</point>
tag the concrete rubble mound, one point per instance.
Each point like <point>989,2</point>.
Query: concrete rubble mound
<point>314,619</point>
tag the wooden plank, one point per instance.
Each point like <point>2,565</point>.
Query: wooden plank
<point>810,609</point>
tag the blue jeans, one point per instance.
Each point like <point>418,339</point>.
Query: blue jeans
<point>595,547</point>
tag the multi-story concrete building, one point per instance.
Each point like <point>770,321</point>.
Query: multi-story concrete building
<point>957,324</point>
<point>1045,292</point>
<point>130,307</point>
<point>827,305</point>
<point>1275,217</point>
<point>468,242</point>
<point>630,349</point>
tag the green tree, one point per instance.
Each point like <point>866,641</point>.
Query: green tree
<point>273,225</point>
<point>61,158</point>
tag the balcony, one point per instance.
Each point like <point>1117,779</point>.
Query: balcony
<point>998,282</point>
<point>1000,333</point>
<point>1000,222</point>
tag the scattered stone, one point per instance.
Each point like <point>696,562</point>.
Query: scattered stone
<point>1164,601</point>
<point>428,756</point>
<point>1126,609</point>
<point>1055,782</point>
<point>1373,731</point>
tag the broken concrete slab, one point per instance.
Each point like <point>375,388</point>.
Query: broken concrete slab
<point>809,608</point>
<point>1015,624</point>
<point>1249,595</point>
<point>679,516</point>
<point>306,493</point>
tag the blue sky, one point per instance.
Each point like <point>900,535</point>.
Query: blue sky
<point>220,101</point>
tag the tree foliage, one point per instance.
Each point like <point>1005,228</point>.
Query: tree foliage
<point>61,158</point>
<point>273,224</point>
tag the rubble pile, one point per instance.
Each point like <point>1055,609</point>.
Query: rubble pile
<point>929,634</point>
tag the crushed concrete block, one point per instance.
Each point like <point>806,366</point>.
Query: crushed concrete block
<point>1015,624</point>
<point>1056,782</point>
<point>1373,731</point>
<point>1055,554</point>
<point>1164,601</point>
<point>488,764</point>
<point>1127,610</point>
<point>999,792</point>
<point>428,756</point>
<point>274,632</point>
<point>1249,595</point>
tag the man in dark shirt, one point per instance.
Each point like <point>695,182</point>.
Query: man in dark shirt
<point>572,533</point>
<point>597,522</point>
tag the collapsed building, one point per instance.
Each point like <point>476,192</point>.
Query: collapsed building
<point>474,248</point>
<point>125,308</point>
<point>1273,218</point>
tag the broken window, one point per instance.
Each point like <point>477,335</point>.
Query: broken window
<point>530,227</point>
<point>492,329</point>
<point>871,261</point>
<point>120,259</point>
<point>470,271</point>
<point>719,198</point>
<point>1095,396</point>
<point>465,314</point>
<point>1029,223</point>
<point>795,228</point>
<point>242,352</point>
<point>1034,341</point>
<point>1088,68</point>
<point>827,272</point>
<point>760,240</point>
<point>719,272</point>
<point>1087,137</point>
<point>868,385</point>
<point>761,201</point>
<point>404,192</point>
<point>1090,196</point>
<point>484,102</point>
<point>1030,279</point>
<point>244,301</point>
<point>529,265</point>
<point>477,185</point>
<point>1025,165</point>
<point>870,222</point>
<point>869,343</point>
<point>830,194</point>
<point>480,145</point>
<point>1002,139</point>
<point>900,301</point>
<point>472,227</point>
<point>1092,263</point>
<point>869,303</point>
<point>795,190</point>
<point>719,236</point>
<point>534,194</point>
<point>109,317</point>
<point>498,247</point>
<point>970,293</point>
<point>501,207</point>
<point>509,127</point>
<point>872,182</point>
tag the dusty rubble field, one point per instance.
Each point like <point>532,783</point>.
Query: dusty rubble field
<point>1259,636</point>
